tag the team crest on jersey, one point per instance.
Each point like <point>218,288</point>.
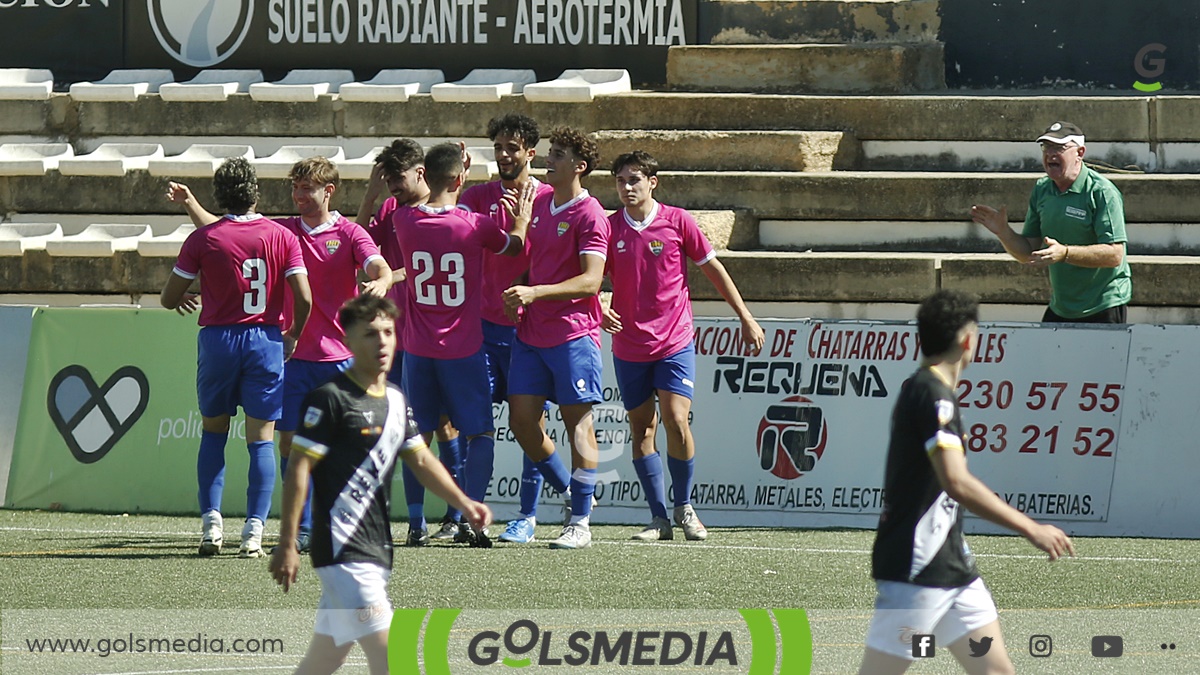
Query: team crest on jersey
<point>656,247</point>
<point>945,412</point>
<point>332,245</point>
<point>312,417</point>
<point>621,246</point>
<point>562,228</point>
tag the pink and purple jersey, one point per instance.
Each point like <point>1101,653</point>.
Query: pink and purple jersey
<point>333,253</point>
<point>242,262</point>
<point>443,251</point>
<point>383,233</point>
<point>557,237</point>
<point>647,263</point>
<point>499,271</point>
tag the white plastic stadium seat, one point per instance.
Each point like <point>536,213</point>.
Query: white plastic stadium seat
<point>580,86</point>
<point>279,164</point>
<point>392,85</point>
<point>166,246</point>
<point>211,85</point>
<point>301,85</point>
<point>16,238</point>
<point>122,85</point>
<point>26,84</point>
<point>111,159</point>
<point>32,159</point>
<point>99,240</point>
<point>484,84</point>
<point>198,160</point>
<point>483,163</point>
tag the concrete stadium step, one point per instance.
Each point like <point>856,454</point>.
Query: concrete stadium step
<point>737,150</point>
<point>857,195</point>
<point>944,236</point>
<point>803,21</point>
<point>948,117</point>
<point>843,68</point>
<point>762,277</point>
<point>838,195</point>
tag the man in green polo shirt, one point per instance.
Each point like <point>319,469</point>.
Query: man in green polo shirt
<point>1075,225</point>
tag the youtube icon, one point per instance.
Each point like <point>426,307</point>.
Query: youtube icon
<point>1107,646</point>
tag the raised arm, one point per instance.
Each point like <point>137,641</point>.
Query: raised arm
<point>996,222</point>
<point>181,194</point>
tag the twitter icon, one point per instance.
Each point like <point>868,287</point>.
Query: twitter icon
<point>981,647</point>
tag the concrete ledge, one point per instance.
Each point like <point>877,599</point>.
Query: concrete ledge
<point>823,277</point>
<point>738,150</point>
<point>844,68</point>
<point>1164,281</point>
<point>944,117</point>
<point>125,272</point>
<point>774,21</point>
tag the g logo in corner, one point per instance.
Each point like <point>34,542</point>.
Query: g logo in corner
<point>200,33</point>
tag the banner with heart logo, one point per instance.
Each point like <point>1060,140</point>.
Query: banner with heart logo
<point>92,419</point>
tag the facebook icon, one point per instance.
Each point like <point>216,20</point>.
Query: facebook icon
<point>922,646</point>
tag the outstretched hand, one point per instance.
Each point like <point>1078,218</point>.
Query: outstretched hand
<point>995,220</point>
<point>178,193</point>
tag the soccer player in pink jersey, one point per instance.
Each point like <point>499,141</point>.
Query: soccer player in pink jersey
<point>400,171</point>
<point>514,138</point>
<point>650,318</point>
<point>444,366</point>
<point>556,354</point>
<point>245,262</point>
<point>334,249</point>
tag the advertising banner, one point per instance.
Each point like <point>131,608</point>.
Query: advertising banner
<point>73,38</point>
<point>15,324</point>
<point>797,435</point>
<point>455,36</point>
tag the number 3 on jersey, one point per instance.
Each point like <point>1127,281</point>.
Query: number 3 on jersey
<point>254,300</point>
<point>453,292</point>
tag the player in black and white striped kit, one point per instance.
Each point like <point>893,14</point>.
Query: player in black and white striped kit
<point>353,430</point>
<point>924,572</point>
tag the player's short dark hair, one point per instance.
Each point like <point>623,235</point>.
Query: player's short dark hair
<point>364,308</point>
<point>941,316</point>
<point>403,154</point>
<point>316,169</point>
<point>579,143</point>
<point>638,159</point>
<point>235,185</point>
<point>517,126</point>
<point>443,163</point>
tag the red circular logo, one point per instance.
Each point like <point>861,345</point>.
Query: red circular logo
<point>791,437</point>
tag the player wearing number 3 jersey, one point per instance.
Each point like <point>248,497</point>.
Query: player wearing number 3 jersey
<point>243,261</point>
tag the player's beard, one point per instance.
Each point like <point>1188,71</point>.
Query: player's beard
<point>512,173</point>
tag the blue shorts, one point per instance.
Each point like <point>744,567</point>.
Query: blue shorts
<point>638,380</point>
<point>567,374</point>
<point>301,377</point>
<point>457,387</point>
<point>240,365</point>
<point>497,349</point>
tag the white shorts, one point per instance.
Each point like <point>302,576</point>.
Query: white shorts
<point>354,601</point>
<point>903,610</point>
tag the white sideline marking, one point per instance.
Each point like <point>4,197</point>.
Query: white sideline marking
<point>725,547</point>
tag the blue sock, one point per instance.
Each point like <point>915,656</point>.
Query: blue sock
<point>583,485</point>
<point>210,470</point>
<point>650,471</point>
<point>414,494</point>
<point>261,479</point>
<point>452,458</point>
<point>681,479</point>
<point>531,485</point>
<point>554,472</point>
<point>481,458</point>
